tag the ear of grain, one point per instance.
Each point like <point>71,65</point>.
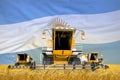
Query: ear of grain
<point>113,73</point>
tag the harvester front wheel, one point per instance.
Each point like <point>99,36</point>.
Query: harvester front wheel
<point>33,65</point>
<point>93,66</point>
<point>76,61</point>
<point>16,64</point>
<point>47,60</point>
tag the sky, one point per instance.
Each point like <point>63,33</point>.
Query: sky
<point>22,23</point>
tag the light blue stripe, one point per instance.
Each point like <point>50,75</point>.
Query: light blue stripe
<point>111,52</point>
<point>13,11</point>
<point>10,58</point>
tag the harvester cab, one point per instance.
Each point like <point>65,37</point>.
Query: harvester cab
<point>23,59</point>
<point>93,57</point>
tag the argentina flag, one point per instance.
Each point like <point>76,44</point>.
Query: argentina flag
<point>22,23</point>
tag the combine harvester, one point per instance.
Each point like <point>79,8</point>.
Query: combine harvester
<point>61,47</point>
<point>92,59</point>
<point>23,61</point>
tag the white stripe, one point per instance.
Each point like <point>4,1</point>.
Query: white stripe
<point>99,28</point>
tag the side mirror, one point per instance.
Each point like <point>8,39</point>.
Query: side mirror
<point>83,35</point>
<point>44,35</point>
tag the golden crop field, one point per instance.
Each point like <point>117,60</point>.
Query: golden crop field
<point>113,73</point>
